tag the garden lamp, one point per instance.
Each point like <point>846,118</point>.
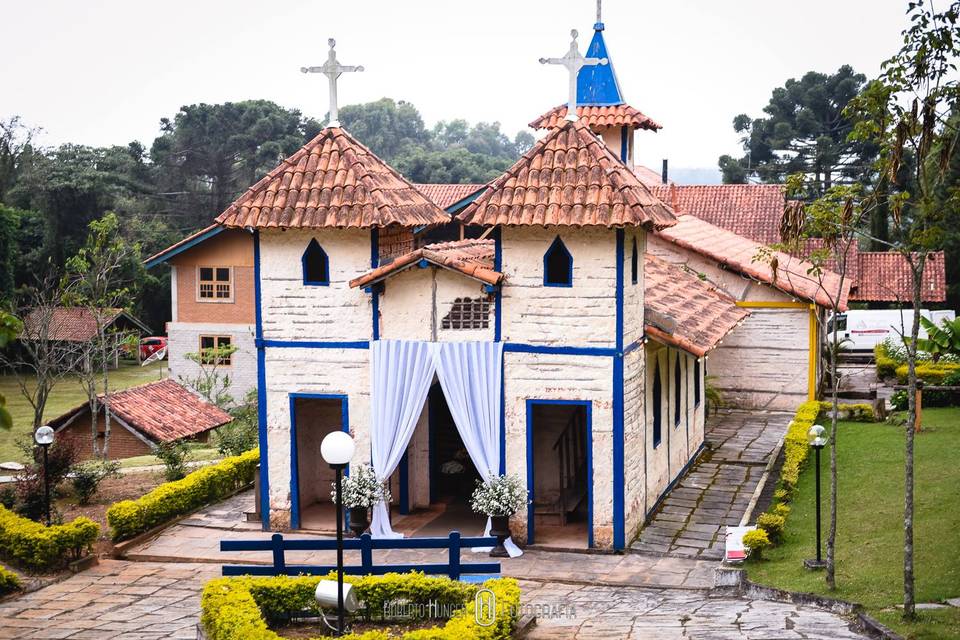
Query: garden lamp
<point>817,439</point>
<point>44,437</point>
<point>336,449</point>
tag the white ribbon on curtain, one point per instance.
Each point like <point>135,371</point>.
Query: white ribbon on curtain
<point>470,374</point>
<point>402,372</point>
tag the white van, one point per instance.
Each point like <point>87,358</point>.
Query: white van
<point>865,328</point>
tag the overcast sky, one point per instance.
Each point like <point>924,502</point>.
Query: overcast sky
<point>104,72</point>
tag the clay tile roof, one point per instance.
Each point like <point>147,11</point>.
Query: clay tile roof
<point>682,311</point>
<point>472,258</point>
<point>739,254</point>
<point>568,178</point>
<point>332,181</point>
<point>73,324</point>
<point>885,276</point>
<point>653,180</point>
<point>446,195</point>
<point>165,411</point>
<point>597,117</point>
<point>750,210</point>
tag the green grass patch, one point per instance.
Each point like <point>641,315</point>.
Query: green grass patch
<point>66,395</point>
<point>199,452</point>
<point>870,523</point>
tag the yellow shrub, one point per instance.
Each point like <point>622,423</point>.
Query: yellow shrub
<point>756,541</point>
<point>929,372</point>
<point>9,581</point>
<point>38,547</point>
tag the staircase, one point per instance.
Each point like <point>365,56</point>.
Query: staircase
<point>570,448</point>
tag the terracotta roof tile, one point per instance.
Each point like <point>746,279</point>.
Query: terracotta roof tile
<point>568,178</point>
<point>597,117</point>
<point>473,258</point>
<point>738,253</point>
<point>651,179</point>
<point>332,181</point>
<point>445,195</point>
<point>749,210</point>
<point>72,324</point>
<point>683,311</point>
<point>885,276</point>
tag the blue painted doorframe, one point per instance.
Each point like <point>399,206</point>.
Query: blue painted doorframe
<point>294,462</point>
<point>588,405</point>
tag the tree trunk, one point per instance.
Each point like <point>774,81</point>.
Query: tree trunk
<point>834,389</point>
<point>106,395</point>
<point>908,577</point>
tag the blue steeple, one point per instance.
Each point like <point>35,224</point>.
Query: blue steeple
<point>597,85</point>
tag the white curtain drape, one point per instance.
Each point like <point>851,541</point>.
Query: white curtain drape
<point>470,374</point>
<point>401,373</point>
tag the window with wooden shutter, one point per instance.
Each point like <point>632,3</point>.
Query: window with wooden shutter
<point>215,284</point>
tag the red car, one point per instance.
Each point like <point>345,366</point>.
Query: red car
<point>149,346</point>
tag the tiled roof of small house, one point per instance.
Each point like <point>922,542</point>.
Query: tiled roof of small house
<point>73,324</point>
<point>750,210</point>
<point>618,115</point>
<point>682,311</point>
<point>885,276</point>
<point>472,258</point>
<point>162,411</point>
<point>652,180</point>
<point>446,195</point>
<point>740,254</point>
<point>568,178</point>
<point>332,181</point>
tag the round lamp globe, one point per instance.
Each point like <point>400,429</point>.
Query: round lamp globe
<point>337,448</point>
<point>44,436</point>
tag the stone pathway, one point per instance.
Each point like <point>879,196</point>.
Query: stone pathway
<point>120,600</point>
<point>716,492</point>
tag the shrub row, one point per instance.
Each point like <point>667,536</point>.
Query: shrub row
<point>886,362</point>
<point>128,518</point>
<point>929,372</point>
<point>240,608</point>
<point>860,412</point>
<point>9,581</point>
<point>38,547</point>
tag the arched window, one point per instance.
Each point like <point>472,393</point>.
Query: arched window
<point>657,405</point>
<point>696,382</point>
<point>316,265</point>
<point>634,264</point>
<point>557,266</point>
<point>676,393</point>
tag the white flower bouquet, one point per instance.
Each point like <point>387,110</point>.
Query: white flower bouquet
<point>500,496</point>
<point>362,488</point>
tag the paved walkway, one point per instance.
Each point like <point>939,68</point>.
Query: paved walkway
<point>120,600</point>
<point>716,492</point>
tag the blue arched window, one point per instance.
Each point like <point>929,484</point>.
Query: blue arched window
<point>557,265</point>
<point>677,381</point>
<point>696,382</point>
<point>316,265</point>
<point>657,405</point>
<point>634,264</point>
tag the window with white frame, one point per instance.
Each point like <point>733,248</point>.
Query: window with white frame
<point>216,350</point>
<point>215,284</point>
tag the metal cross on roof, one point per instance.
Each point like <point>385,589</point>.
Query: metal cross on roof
<point>332,69</point>
<point>573,61</point>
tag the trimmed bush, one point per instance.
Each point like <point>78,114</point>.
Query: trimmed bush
<point>38,547</point>
<point>886,363</point>
<point>204,486</point>
<point>860,412</point>
<point>9,581</point>
<point>796,448</point>
<point>240,608</point>
<point>780,509</point>
<point>773,525</point>
<point>756,541</point>
<point>929,372</point>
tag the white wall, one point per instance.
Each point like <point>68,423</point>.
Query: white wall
<point>184,338</point>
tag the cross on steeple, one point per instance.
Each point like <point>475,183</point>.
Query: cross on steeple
<point>332,69</point>
<point>573,61</point>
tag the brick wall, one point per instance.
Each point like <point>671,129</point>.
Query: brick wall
<point>228,249</point>
<point>123,444</point>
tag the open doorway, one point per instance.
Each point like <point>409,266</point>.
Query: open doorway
<point>559,473</point>
<point>313,416</point>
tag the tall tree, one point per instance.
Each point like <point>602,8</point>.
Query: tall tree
<point>15,150</point>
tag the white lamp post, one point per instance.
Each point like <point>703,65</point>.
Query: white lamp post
<point>43,436</point>
<point>817,438</point>
<point>337,449</point>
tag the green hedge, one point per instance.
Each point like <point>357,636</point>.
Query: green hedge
<point>886,363</point>
<point>9,581</point>
<point>38,547</point>
<point>860,412</point>
<point>929,372</point>
<point>206,485</point>
<point>240,608</point>
<point>796,447</point>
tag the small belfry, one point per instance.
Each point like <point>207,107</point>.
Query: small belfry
<point>573,61</point>
<point>332,69</point>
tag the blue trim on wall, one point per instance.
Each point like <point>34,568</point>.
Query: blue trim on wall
<point>588,404</point>
<point>160,258</point>
<point>375,293</point>
<point>623,143</point>
<point>558,246</point>
<point>312,247</point>
<point>619,520</point>
<point>498,296</point>
<point>261,389</point>
<point>404,470</point>
<point>303,344</point>
<point>514,347</point>
<point>294,462</point>
<point>633,346</point>
<point>503,418</point>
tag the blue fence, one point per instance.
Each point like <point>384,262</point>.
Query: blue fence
<point>453,568</point>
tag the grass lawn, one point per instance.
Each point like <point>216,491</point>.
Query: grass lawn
<point>870,524</point>
<point>66,395</point>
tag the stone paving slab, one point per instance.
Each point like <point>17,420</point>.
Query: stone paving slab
<point>120,600</point>
<point>717,491</point>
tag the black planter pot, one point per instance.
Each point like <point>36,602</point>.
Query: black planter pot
<point>359,520</point>
<point>500,527</point>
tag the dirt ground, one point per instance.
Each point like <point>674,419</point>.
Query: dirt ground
<point>317,629</point>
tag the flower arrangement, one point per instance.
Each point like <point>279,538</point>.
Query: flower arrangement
<point>362,488</point>
<point>499,496</point>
